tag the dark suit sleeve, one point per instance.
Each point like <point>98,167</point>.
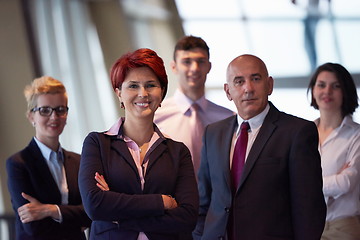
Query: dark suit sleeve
<point>20,181</point>
<point>110,205</point>
<point>308,205</point>
<point>21,178</point>
<point>205,190</point>
<point>73,214</point>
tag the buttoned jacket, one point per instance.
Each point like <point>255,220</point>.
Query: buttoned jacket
<point>280,192</point>
<point>126,209</point>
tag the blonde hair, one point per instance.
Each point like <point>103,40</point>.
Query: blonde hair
<point>40,86</point>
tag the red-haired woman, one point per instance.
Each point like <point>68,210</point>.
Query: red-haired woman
<point>135,182</point>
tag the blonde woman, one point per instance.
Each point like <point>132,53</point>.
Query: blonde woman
<point>42,178</point>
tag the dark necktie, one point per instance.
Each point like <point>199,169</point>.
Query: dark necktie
<point>238,160</point>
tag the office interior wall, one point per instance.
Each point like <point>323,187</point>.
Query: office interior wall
<point>16,70</point>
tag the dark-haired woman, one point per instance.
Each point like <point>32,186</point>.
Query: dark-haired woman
<point>334,94</point>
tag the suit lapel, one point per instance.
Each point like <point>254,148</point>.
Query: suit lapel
<point>225,140</point>
<point>121,148</point>
<point>41,170</point>
<point>71,171</point>
<point>159,149</point>
<point>265,132</point>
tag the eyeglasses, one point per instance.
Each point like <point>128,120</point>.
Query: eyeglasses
<point>61,111</point>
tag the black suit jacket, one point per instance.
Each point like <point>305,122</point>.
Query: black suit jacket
<point>28,172</point>
<point>126,209</point>
<point>280,193</point>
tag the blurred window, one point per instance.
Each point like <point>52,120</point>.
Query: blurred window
<point>275,31</point>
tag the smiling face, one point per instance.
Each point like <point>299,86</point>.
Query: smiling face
<point>327,92</point>
<point>49,128</point>
<point>248,85</point>
<point>140,93</point>
<point>192,67</point>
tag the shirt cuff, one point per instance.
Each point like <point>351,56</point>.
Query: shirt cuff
<point>60,216</point>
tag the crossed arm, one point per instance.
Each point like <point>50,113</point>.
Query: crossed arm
<point>169,202</point>
<point>35,210</point>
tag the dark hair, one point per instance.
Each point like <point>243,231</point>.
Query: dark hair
<point>347,85</point>
<point>190,42</point>
<point>142,57</point>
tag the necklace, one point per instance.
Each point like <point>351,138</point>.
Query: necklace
<point>142,146</point>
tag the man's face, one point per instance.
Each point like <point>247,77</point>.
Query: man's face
<point>191,66</point>
<point>249,85</point>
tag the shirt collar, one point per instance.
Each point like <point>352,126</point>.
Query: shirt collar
<point>185,103</point>
<point>346,122</point>
<point>254,122</point>
<point>116,129</point>
<point>153,139</point>
<point>46,151</point>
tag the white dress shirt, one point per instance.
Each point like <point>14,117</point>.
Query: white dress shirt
<point>341,188</point>
<point>255,125</point>
<point>51,158</point>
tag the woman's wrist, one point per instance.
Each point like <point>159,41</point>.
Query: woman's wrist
<point>169,201</point>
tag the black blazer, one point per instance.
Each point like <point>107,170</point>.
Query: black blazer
<point>280,193</point>
<point>126,210</point>
<point>28,172</point>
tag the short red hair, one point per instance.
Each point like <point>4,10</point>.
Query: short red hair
<point>142,57</point>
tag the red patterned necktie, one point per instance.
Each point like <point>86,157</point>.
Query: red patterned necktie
<point>238,160</point>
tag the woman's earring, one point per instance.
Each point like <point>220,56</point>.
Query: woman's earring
<point>159,104</point>
<point>33,124</point>
<point>122,105</point>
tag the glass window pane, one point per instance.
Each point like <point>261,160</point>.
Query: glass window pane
<point>348,37</point>
<point>346,8</point>
<point>226,40</point>
<point>327,43</point>
<point>274,9</point>
<point>275,31</point>
<point>280,45</point>
<point>200,9</point>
